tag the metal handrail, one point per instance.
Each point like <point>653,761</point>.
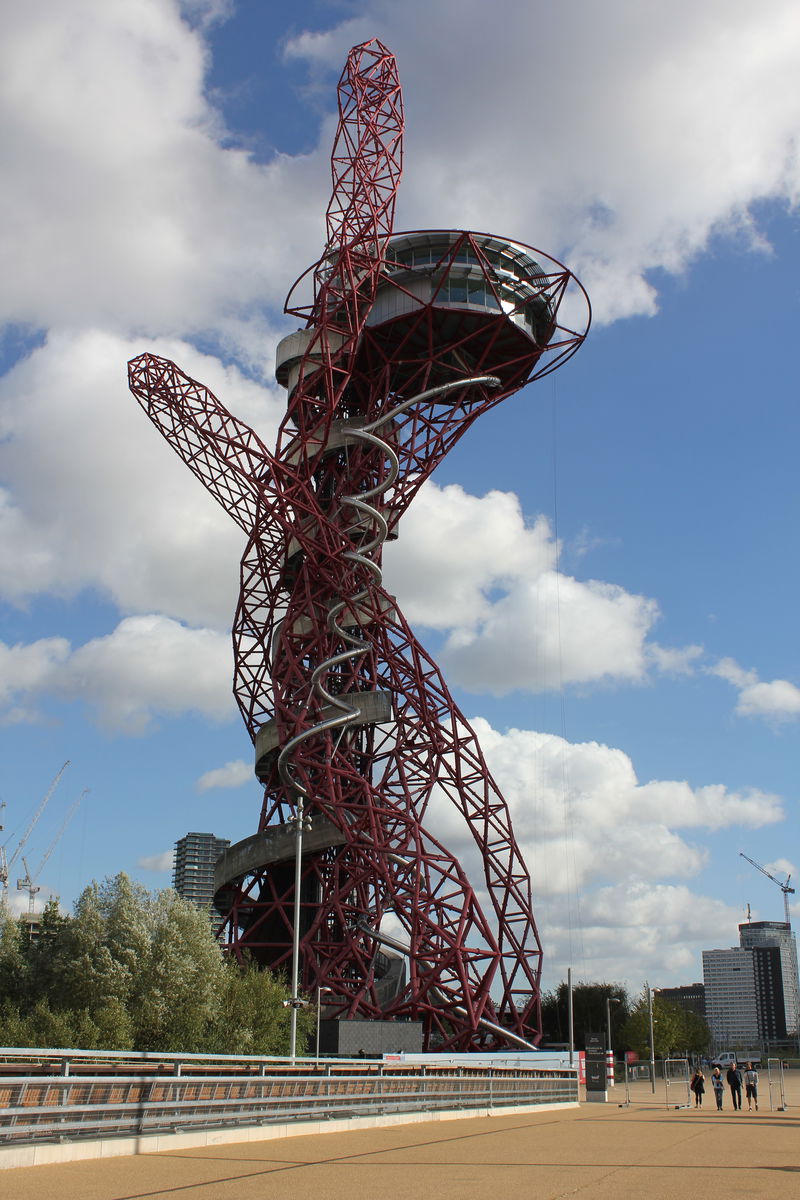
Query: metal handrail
<point>57,1107</point>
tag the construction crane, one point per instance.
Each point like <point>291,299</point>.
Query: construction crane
<point>28,882</point>
<point>787,891</point>
<point>3,864</point>
<point>7,863</point>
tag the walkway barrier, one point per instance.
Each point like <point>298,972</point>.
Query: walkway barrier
<point>635,1072</point>
<point>776,1081</point>
<point>677,1078</point>
<point>65,1095</point>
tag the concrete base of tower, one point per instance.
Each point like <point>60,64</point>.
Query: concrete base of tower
<point>370,1039</point>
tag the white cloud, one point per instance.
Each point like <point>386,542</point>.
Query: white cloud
<point>232,775</point>
<point>120,205</point>
<point>164,229</point>
<point>550,631</point>
<point>636,930</point>
<point>157,862</point>
<point>653,131</point>
<point>96,498</point>
<point>17,902</point>
<point>674,660</point>
<point>471,566</point>
<point>582,818</point>
<point>776,701</point>
<point>781,866</point>
<point>624,137</point>
<point>455,548</point>
<point>149,666</point>
<point>27,668</point>
<point>609,862</point>
<point>123,515</point>
<point>25,672</point>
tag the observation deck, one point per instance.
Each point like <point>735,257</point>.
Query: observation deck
<point>471,302</point>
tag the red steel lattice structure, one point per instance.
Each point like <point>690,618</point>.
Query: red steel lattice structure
<point>407,340</point>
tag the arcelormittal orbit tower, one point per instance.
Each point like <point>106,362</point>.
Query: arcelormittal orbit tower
<point>407,340</point>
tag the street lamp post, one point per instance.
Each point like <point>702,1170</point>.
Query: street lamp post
<point>609,1048</point>
<point>570,1016</point>
<point>301,822</point>
<point>650,992</point>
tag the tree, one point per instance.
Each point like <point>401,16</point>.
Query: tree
<point>180,982</point>
<point>697,1034</point>
<point>588,1009</point>
<point>13,963</point>
<point>253,1017</point>
<point>135,970</point>
<point>675,1031</point>
<point>47,959</point>
<point>127,911</point>
<point>87,975</point>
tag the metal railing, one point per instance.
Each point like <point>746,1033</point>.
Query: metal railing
<point>635,1072</point>
<point>84,1095</point>
<point>776,1082</point>
<point>676,1078</point>
<point>674,1072</point>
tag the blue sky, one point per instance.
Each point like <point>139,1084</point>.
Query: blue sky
<point>605,566</point>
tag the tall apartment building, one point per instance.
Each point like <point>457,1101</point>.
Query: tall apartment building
<point>195,858</point>
<point>731,1006</point>
<point>752,990</point>
<point>769,993</point>
<point>690,996</point>
<point>778,935</point>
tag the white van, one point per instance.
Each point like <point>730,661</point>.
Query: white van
<point>724,1060</point>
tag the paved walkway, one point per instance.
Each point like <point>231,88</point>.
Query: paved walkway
<point>600,1152</point>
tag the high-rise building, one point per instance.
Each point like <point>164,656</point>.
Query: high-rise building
<point>769,993</point>
<point>785,992</point>
<point>196,855</point>
<point>752,989</point>
<point>731,1004</point>
<point>690,996</point>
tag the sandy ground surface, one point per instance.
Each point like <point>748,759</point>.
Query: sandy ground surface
<point>648,1148</point>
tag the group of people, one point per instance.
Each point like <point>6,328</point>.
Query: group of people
<point>734,1078</point>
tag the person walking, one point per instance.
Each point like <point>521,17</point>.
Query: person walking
<point>734,1078</point>
<point>718,1084</point>
<point>698,1086</point>
<point>751,1087</point>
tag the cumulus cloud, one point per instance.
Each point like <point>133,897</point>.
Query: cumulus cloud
<point>776,701</point>
<point>634,138</point>
<point>471,567</point>
<point>149,666</point>
<point>120,513</point>
<point>455,548</point>
<point>550,631</point>
<point>118,184</point>
<point>781,866</point>
<point>581,816</point>
<point>610,862</point>
<point>157,862</point>
<point>96,498</point>
<point>671,660</point>
<point>636,930</point>
<point>232,775</point>
<point>645,134</point>
<point>27,669</point>
<point>163,230</point>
